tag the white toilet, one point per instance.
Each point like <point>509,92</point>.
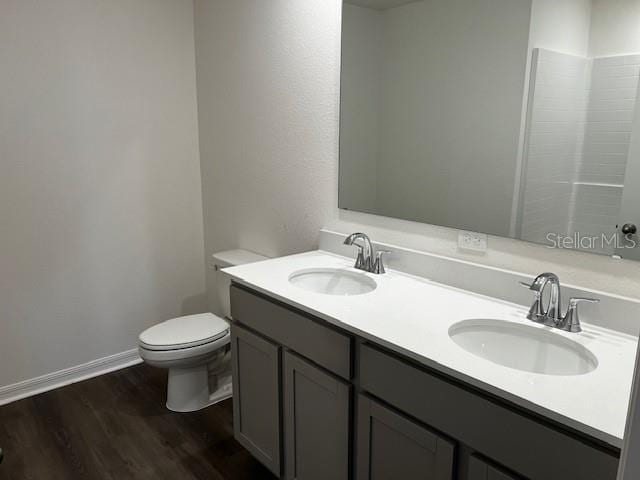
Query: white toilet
<point>195,348</point>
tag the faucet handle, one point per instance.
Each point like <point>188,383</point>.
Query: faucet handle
<point>536,312</point>
<point>378,266</point>
<point>360,262</point>
<point>571,321</point>
<point>575,300</point>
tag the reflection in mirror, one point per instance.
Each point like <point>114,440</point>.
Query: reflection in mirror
<point>509,117</point>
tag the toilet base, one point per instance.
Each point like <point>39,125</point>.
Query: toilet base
<point>188,389</point>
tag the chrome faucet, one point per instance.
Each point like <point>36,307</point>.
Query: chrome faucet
<point>365,259</point>
<point>550,314</point>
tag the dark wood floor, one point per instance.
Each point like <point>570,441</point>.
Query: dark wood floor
<point>117,427</point>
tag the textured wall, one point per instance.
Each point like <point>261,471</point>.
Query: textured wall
<point>268,101</point>
<point>100,203</point>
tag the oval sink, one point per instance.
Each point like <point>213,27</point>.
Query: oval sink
<point>523,347</point>
<point>333,281</point>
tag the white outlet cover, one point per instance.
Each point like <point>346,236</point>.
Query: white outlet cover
<point>472,241</point>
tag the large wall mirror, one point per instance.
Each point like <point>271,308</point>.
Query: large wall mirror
<point>515,118</point>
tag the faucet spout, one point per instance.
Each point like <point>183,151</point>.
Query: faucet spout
<point>365,250</point>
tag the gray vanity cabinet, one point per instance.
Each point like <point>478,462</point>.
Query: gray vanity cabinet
<point>316,412</point>
<point>256,396</point>
<point>297,379</point>
<point>391,446</point>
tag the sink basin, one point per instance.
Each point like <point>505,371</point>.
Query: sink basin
<point>333,281</point>
<point>523,347</point>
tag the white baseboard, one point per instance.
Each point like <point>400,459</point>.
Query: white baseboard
<point>51,381</point>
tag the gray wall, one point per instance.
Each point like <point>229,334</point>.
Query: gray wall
<point>267,101</point>
<point>100,202</point>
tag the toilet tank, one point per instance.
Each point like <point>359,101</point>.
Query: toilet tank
<point>230,258</point>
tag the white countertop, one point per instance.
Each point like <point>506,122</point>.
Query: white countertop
<point>412,316</point>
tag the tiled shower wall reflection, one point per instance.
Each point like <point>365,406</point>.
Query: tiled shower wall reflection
<point>557,104</point>
<point>578,135</point>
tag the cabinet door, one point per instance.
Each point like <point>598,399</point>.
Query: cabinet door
<point>256,396</point>
<point>316,410</point>
<point>390,446</point>
<point>481,470</point>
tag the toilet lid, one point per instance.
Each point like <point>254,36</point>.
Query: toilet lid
<point>184,332</point>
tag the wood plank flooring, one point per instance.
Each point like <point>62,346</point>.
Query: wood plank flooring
<point>117,427</point>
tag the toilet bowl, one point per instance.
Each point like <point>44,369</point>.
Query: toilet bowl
<point>195,348</point>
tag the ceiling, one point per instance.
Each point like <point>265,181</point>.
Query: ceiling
<point>380,4</point>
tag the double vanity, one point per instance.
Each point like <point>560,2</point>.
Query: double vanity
<point>341,373</point>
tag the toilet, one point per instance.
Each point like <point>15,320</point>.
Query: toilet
<point>195,348</point>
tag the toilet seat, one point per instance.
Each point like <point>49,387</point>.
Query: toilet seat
<point>189,355</point>
<point>184,333</point>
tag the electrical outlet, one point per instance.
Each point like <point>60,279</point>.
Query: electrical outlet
<point>472,241</point>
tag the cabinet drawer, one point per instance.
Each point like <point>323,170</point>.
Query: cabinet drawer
<point>320,343</point>
<point>515,440</point>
